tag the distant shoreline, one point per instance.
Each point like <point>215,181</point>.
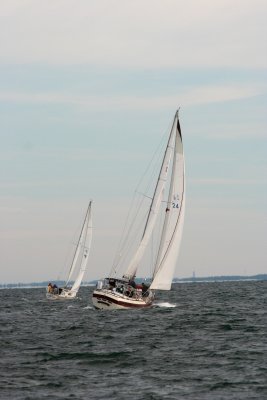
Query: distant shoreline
<point>223,278</point>
<point>226,278</point>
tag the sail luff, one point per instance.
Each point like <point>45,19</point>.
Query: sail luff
<point>87,240</point>
<point>154,208</point>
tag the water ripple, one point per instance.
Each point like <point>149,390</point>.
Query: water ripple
<point>200,341</point>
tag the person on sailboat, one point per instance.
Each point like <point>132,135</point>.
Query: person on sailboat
<point>132,283</point>
<point>55,289</point>
<point>144,289</point>
<point>49,287</point>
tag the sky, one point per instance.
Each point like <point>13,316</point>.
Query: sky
<point>88,88</point>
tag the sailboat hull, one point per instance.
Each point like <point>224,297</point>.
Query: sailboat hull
<point>65,295</point>
<point>106,299</point>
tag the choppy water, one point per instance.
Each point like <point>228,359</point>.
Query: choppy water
<point>201,341</point>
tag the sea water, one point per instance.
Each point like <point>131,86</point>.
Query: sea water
<point>199,341</point>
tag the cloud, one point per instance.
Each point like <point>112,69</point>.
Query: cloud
<point>227,181</point>
<point>186,97</point>
<point>143,34</point>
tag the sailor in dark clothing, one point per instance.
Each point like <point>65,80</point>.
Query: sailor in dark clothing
<point>55,289</point>
<point>132,283</point>
<point>144,288</point>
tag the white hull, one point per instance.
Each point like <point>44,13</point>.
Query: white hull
<point>64,295</point>
<point>104,299</point>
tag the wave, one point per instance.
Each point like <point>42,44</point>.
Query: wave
<point>164,304</point>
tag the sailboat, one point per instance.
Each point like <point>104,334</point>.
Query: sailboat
<point>78,265</point>
<point>169,197</point>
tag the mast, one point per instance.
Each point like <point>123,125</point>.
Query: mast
<point>162,165</point>
<point>167,212</point>
<point>154,207</point>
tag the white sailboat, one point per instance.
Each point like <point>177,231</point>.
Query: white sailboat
<point>78,265</point>
<point>169,195</point>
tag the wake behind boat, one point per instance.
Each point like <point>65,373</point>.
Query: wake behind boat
<point>124,292</point>
<point>78,265</point>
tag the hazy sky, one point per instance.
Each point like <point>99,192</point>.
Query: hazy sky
<point>88,88</point>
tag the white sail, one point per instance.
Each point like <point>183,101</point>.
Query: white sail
<point>85,246</point>
<point>84,235</point>
<point>163,278</point>
<point>174,215</point>
<point>154,209</point>
<point>75,258</point>
<point>173,222</point>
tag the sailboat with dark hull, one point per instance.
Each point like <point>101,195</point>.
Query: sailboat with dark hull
<point>169,195</point>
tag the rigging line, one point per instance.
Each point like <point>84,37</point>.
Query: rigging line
<point>132,216</point>
<point>135,226</point>
<point>156,152</point>
<point>122,238</point>
<point>142,194</point>
<point>129,245</point>
<point>132,232</point>
<point>139,208</point>
<point>150,180</point>
<point>153,173</point>
<point>69,253</point>
<point>128,241</point>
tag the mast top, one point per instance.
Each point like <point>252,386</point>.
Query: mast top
<point>177,113</point>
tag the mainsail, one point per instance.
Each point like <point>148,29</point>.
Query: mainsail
<point>174,214</point>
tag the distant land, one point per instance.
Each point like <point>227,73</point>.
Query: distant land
<point>259,277</point>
